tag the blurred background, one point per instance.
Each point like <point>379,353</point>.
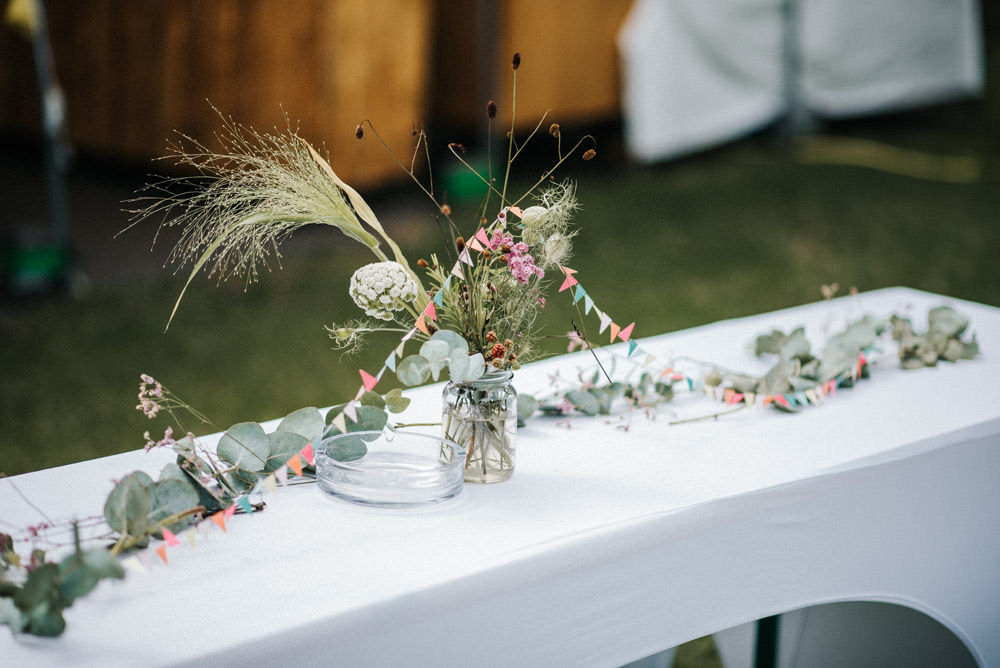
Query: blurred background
<point>748,153</point>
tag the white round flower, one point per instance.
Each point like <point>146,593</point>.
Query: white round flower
<point>532,219</point>
<point>380,288</point>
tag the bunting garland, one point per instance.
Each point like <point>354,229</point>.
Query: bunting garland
<point>145,561</point>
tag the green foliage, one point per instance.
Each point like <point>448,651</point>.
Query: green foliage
<point>444,348</point>
<point>36,605</point>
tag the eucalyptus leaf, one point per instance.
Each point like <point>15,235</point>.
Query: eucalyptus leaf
<point>413,370</point>
<point>127,507</point>
<point>437,353</point>
<point>172,471</point>
<point>171,497</point>
<point>244,446</point>
<point>369,419</point>
<point>372,399</point>
<point>307,422</point>
<point>347,448</point>
<point>395,402</point>
<point>282,446</point>
<point>526,407</point>
<point>10,615</point>
<point>467,368</point>
<point>207,497</point>
<point>584,402</point>
<point>947,321</point>
<point>81,571</point>
<point>457,345</point>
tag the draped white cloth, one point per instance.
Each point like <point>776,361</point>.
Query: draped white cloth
<point>696,74</point>
<point>615,538</point>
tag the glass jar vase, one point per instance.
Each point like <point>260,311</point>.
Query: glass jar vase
<point>481,416</point>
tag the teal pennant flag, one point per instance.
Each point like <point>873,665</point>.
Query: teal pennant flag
<point>580,293</point>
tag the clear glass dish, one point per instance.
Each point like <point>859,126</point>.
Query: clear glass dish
<point>390,469</point>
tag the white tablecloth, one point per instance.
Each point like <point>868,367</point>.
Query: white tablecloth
<point>606,545</point>
<point>696,74</point>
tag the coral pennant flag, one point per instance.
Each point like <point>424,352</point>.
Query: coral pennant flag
<point>369,380</point>
<point>516,210</point>
<point>220,519</point>
<point>169,537</point>
<point>162,552</point>
<point>614,331</point>
<point>295,463</point>
<point>421,325</point>
<point>475,245</point>
<point>307,453</point>
<point>626,332</point>
<point>568,283</point>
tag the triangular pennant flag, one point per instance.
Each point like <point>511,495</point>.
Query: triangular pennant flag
<point>339,423</point>
<point>483,237</point>
<point>728,394</point>
<point>457,270</point>
<point>270,484</point>
<point>632,345</point>
<point>737,397</point>
<point>614,331</point>
<point>351,411</point>
<point>718,393</point>
<point>169,537</point>
<point>475,245</point>
<point>580,292</point>
<point>690,385</point>
<point>132,563</point>
<point>568,283</point>
<point>626,332</point>
<point>204,528</point>
<point>588,304</point>
<point>516,210</point>
<point>190,535</point>
<point>605,321</point>
<point>749,398</point>
<point>220,519</point>
<point>281,473</point>
<point>307,453</point>
<point>567,270</point>
<point>465,257</point>
<point>430,311</point>
<point>229,511</point>
<point>408,336</point>
<point>245,505</point>
<point>649,359</point>
<point>162,552</point>
<point>295,463</point>
<point>783,401</point>
<point>421,325</point>
<point>390,361</point>
<point>368,379</point>
<point>399,349</point>
<point>439,297</point>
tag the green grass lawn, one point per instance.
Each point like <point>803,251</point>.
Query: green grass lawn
<point>732,232</point>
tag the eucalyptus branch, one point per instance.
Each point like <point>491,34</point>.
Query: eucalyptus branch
<point>128,541</point>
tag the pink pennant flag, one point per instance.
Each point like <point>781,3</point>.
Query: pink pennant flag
<point>727,395</point>
<point>295,464</point>
<point>430,311</point>
<point>737,397</point>
<point>568,283</point>
<point>169,537</point>
<point>421,325</point>
<point>781,400</point>
<point>307,453</point>
<point>162,552</point>
<point>626,332</point>
<point>614,331</point>
<point>228,512</point>
<point>605,322</point>
<point>368,379</point>
<point>482,237</point>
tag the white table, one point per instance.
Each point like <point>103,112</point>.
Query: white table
<point>605,546</point>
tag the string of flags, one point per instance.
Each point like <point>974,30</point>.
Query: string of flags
<point>145,560</point>
<point>636,353</point>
